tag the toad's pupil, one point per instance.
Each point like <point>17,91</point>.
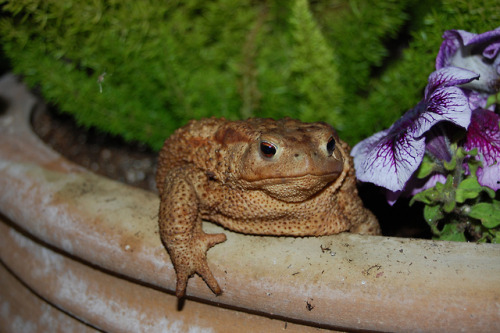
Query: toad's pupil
<point>330,146</point>
<point>267,149</point>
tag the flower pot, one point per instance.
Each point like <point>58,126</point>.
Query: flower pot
<point>87,251</point>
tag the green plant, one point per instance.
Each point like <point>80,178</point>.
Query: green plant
<point>143,68</point>
<point>460,206</point>
<point>313,68</point>
<point>445,151</point>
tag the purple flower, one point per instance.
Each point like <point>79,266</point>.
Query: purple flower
<point>478,53</point>
<point>478,99</point>
<point>390,157</point>
<point>437,144</point>
<point>484,134</point>
<point>414,186</point>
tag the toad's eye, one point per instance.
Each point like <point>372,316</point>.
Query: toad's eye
<point>330,146</point>
<point>267,149</point>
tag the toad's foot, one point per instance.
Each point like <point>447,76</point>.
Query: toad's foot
<point>189,256</point>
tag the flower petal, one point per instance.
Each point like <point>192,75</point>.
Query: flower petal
<point>451,44</point>
<point>457,39</point>
<point>442,101</point>
<point>430,182</point>
<point>491,37</point>
<point>437,144</point>
<point>449,104</point>
<point>477,99</point>
<point>388,158</point>
<point>491,51</point>
<point>484,134</point>
<point>489,176</point>
<point>414,186</point>
<point>449,76</point>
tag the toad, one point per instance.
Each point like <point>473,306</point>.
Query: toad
<point>257,176</point>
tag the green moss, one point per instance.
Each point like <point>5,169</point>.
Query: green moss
<point>314,72</point>
<point>169,61</point>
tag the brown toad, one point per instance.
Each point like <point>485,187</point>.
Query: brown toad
<point>258,176</point>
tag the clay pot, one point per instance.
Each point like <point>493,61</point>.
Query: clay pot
<point>81,252</point>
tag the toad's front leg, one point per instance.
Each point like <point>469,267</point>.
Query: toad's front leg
<point>181,232</point>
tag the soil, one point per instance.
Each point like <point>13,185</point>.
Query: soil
<point>135,164</point>
<point>128,162</point>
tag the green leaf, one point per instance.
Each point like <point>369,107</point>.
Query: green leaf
<point>489,191</point>
<point>429,196</point>
<point>425,168</point>
<point>472,152</point>
<point>450,232</point>
<point>496,239</point>
<point>451,165</point>
<point>433,214</point>
<point>492,99</point>
<point>473,166</point>
<point>468,189</point>
<point>462,153</point>
<point>488,213</point>
<point>449,205</point>
<point>448,194</point>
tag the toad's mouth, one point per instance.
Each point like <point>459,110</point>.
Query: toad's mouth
<point>282,179</point>
<point>296,188</point>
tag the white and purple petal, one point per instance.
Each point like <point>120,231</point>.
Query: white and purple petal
<point>388,158</point>
<point>484,134</point>
<point>443,101</point>
<point>414,186</point>
<point>445,104</point>
<point>450,45</point>
<point>430,182</point>
<point>489,79</point>
<point>458,40</point>
<point>491,51</point>
<point>478,53</point>
<point>437,144</point>
<point>447,77</point>
<point>478,99</point>
<point>489,38</point>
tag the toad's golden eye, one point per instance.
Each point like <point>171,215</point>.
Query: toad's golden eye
<point>330,146</point>
<point>267,149</point>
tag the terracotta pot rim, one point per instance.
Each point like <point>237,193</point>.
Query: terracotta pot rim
<point>350,281</point>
